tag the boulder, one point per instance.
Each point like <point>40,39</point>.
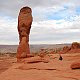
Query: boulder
<point>75,65</point>
<point>75,45</point>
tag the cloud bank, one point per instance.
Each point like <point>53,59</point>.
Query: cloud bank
<point>54,21</point>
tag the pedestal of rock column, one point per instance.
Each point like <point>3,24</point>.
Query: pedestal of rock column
<point>24,26</point>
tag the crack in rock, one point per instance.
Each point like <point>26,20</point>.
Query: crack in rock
<point>70,78</point>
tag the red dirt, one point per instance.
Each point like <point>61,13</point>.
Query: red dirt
<point>53,70</point>
<point>5,63</point>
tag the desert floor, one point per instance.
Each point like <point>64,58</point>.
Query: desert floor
<point>53,70</point>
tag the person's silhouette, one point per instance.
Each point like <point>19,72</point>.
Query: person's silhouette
<point>60,57</point>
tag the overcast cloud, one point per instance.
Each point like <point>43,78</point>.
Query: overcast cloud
<point>54,21</point>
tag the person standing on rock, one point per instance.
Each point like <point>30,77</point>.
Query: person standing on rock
<point>60,57</point>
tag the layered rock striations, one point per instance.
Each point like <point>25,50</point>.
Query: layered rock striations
<point>24,26</point>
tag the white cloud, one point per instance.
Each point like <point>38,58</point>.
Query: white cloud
<point>49,31</point>
<point>11,8</point>
<point>55,31</point>
<point>44,30</point>
<point>59,24</point>
<point>8,31</point>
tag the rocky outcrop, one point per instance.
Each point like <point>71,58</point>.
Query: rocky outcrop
<point>74,48</point>
<point>24,26</point>
<point>66,49</point>
<point>75,45</point>
<point>75,65</point>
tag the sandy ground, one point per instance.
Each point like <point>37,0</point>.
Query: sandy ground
<point>53,70</point>
<point>6,63</point>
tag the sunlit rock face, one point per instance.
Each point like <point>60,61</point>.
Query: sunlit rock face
<point>75,65</point>
<point>24,26</point>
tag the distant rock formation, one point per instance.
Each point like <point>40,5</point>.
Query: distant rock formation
<point>74,48</point>
<point>24,26</point>
<point>75,45</point>
<point>66,49</point>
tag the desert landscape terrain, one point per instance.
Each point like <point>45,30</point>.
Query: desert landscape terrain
<point>39,40</point>
<point>51,68</point>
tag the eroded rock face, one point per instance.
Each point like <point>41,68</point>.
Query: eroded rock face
<point>66,49</point>
<point>74,48</point>
<point>75,45</point>
<point>24,26</point>
<point>24,22</point>
<point>75,65</point>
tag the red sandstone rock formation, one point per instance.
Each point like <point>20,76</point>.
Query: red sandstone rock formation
<point>75,48</point>
<point>75,65</point>
<point>42,53</point>
<point>75,45</point>
<point>66,49</point>
<point>24,25</point>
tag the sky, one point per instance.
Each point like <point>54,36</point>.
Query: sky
<point>54,21</point>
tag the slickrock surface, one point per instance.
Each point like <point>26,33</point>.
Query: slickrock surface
<point>6,63</point>
<point>53,70</point>
<point>75,65</point>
